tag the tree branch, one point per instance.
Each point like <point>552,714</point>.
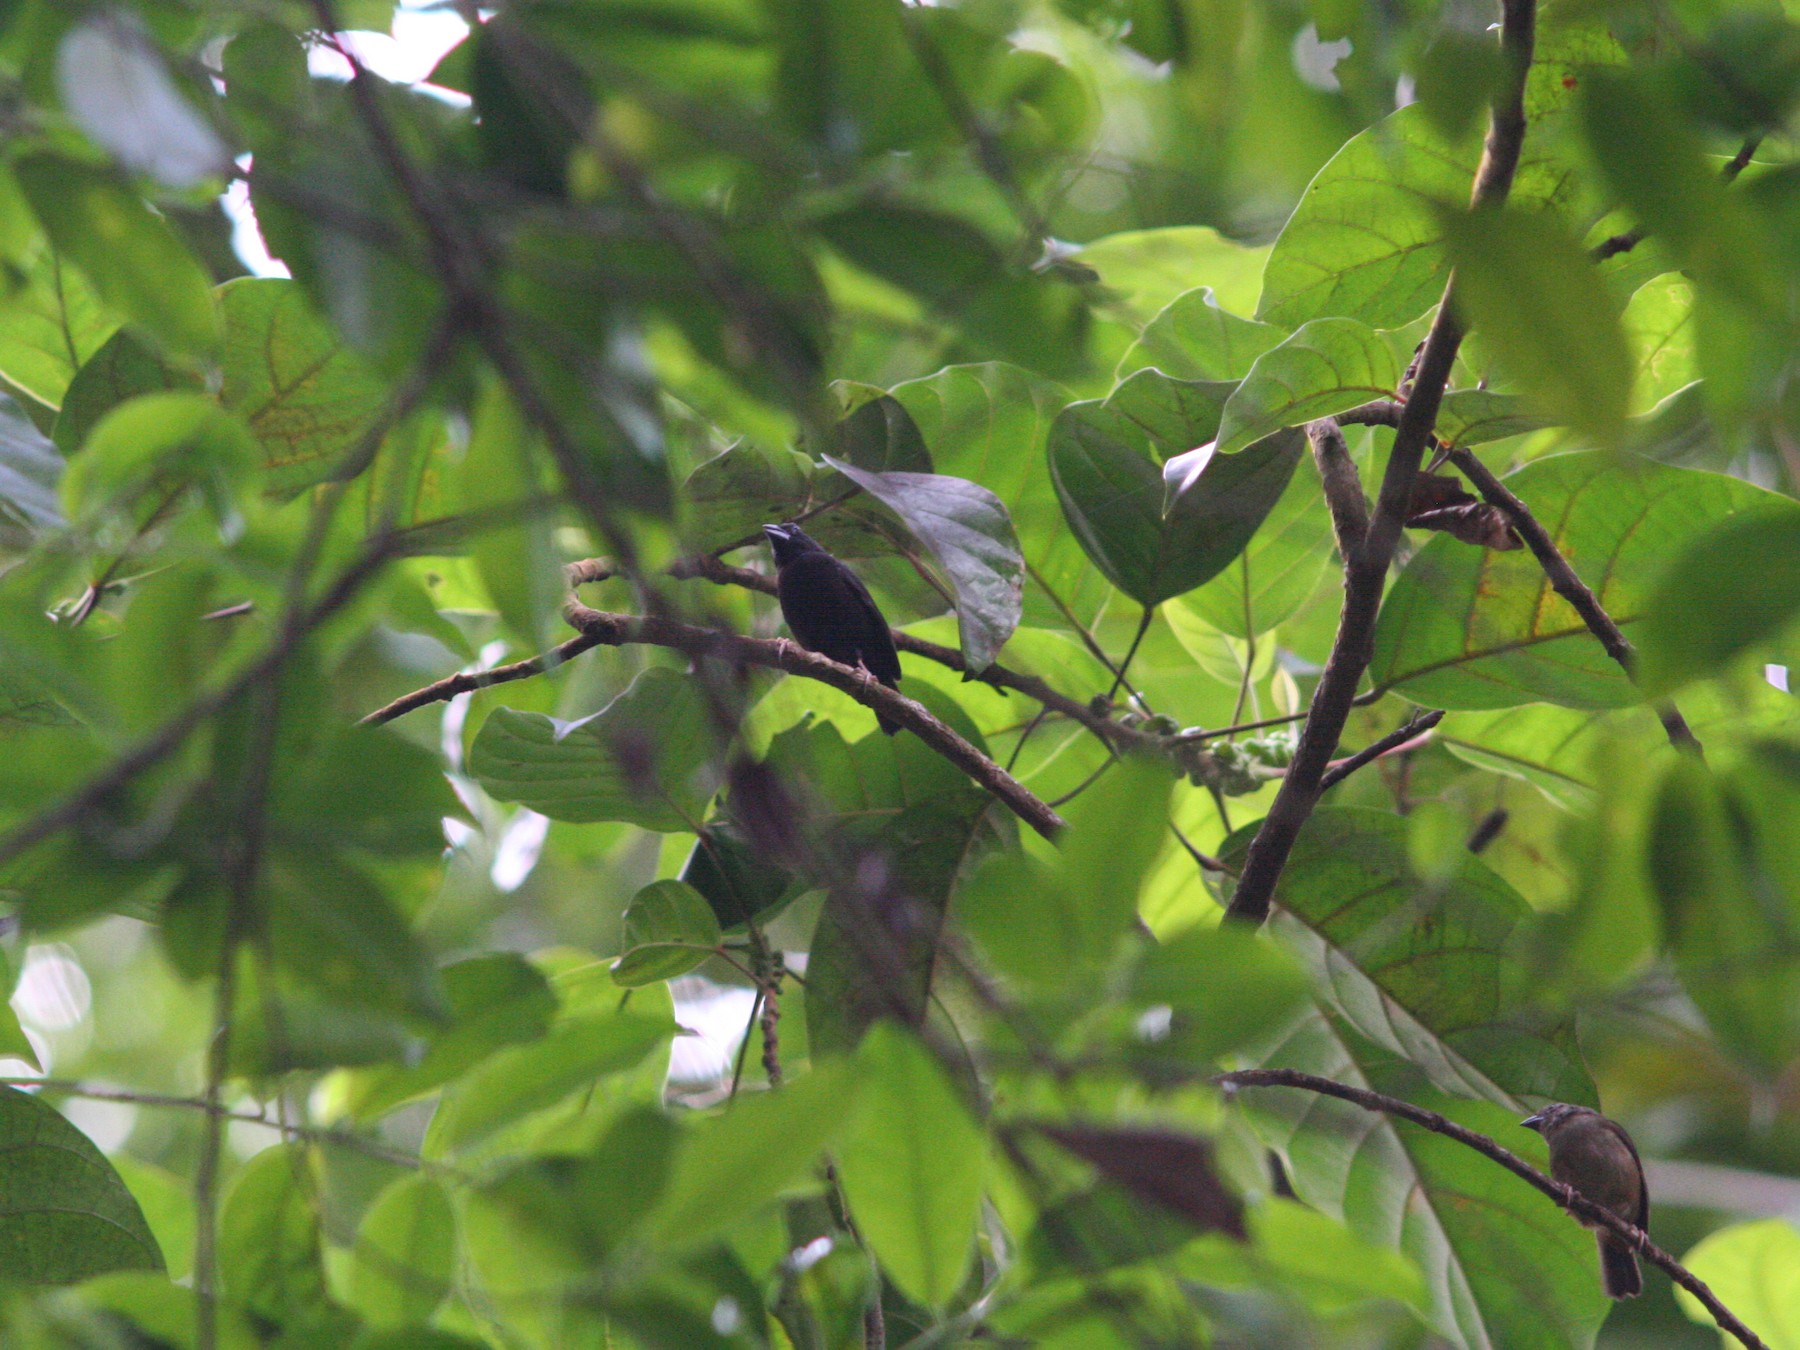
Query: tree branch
<point>1365,571</point>
<point>1115,735</point>
<point>1577,1204</point>
<point>1566,584</point>
<point>1343,485</point>
<point>617,630</point>
<point>1401,737</point>
<point>1630,239</point>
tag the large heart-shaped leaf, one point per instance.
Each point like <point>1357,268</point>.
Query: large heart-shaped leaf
<point>65,1215</point>
<point>1532,294</point>
<point>1279,569</point>
<point>987,423</point>
<point>1106,460</point>
<point>306,396</point>
<point>644,758</point>
<point>1470,628</point>
<point>1193,338</point>
<point>1367,239</point>
<point>1327,366</point>
<point>967,531</point>
<point>1503,1266</point>
<point>1419,969</point>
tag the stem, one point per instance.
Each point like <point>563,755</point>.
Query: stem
<point>1365,571</point>
<point>1566,583</point>
<point>1131,652</point>
<point>1585,1210</point>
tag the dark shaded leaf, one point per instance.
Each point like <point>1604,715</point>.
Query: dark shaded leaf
<point>1172,1170</point>
<point>1105,459</point>
<point>967,531</point>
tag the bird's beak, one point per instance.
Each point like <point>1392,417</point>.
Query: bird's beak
<point>776,533</point>
<point>1533,1122</point>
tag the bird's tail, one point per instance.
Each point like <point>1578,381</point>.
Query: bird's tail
<point>1619,1268</point>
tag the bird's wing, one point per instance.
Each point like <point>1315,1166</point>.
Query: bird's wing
<point>877,640</point>
<point>1642,1217</point>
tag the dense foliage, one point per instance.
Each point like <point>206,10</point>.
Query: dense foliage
<point>444,908</point>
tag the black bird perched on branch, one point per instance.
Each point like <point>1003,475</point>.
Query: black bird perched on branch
<point>830,611</point>
<point>1596,1157</point>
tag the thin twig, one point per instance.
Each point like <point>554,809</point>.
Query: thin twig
<point>467,681</point>
<point>1582,1208</point>
<point>1413,731</point>
<point>617,630</point>
<point>1566,583</point>
<point>1365,571</point>
<point>1131,652</point>
<point>1630,239</point>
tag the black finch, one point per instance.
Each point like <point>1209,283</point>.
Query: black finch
<point>830,611</point>
<point>1596,1157</point>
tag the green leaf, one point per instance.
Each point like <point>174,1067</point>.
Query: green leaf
<point>892,801</point>
<point>495,1001</point>
<point>1469,628</point>
<point>1105,461</point>
<point>1279,569</point>
<point>1327,366</point>
<point>65,1215</point>
<point>1144,271</point>
<point>147,449</point>
<point>307,398</point>
<point>270,1259</point>
<point>1531,292</point>
<point>1443,1205</point>
<point>1050,924</point>
<point>729,1165</point>
<point>1754,1268</point>
<point>1193,338</point>
<point>644,758</point>
<point>515,555</point>
<point>1721,858</point>
<point>669,929</point>
<point>523,1080</point>
<point>1417,968</point>
<point>988,423</point>
<point>912,1167</point>
<point>123,368</point>
<point>402,1263</point>
<point>51,325</point>
<point>1474,416</point>
<point>333,927</point>
<point>133,259</point>
<point>966,529</point>
<point>1224,988</point>
<point>167,1313</point>
<point>1659,326</point>
<point>1367,240</point>
<point>1733,588</point>
<point>1034,318</point>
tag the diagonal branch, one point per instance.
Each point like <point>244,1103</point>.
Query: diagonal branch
<point>1623,243</point>
<point>1578,1205</point>
<point>1565,583</point>
<point>1414,731</point>
<point>1115,735</point>
<point>1365,571</point>
<point>619,630</point>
